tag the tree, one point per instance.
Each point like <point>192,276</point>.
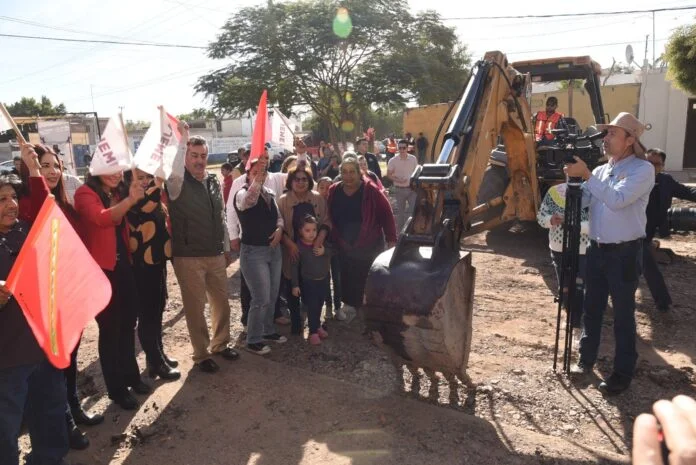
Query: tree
<point>28,106</point>
<point>197,114</point>
<point>680,54</point>
<point>340,59</point>
<point>136,125</point>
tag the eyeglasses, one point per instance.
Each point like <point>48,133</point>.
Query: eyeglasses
<point>403,148</point>
<point>301,180</point>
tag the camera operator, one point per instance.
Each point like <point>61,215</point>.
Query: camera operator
<point>617,194</point>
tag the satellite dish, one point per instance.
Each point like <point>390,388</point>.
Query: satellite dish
<point>629,54</point>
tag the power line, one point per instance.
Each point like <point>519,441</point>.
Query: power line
<point>111,42</point>
<point>561,15</point>
<point>625,42</point>
<point>59,28</point>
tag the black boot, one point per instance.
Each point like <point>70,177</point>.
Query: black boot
<point>77,439</point>
<point>141,388</point>
<point>83,418</point>
<point>172,362</point>
<point>164,371</point>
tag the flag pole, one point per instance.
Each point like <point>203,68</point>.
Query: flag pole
<point>20,137</point>
<point>125,137</point>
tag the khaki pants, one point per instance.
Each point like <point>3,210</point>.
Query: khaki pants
<point>201,279</point>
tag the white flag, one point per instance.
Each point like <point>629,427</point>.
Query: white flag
<point>157,150</point>
<point>281,133</point>
<point>112,154</point>
<point>5,124</point>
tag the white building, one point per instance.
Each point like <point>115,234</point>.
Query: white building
<point>672,114</point>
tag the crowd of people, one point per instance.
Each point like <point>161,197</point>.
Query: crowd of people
<point>310,232</point>
<point>306,232</point>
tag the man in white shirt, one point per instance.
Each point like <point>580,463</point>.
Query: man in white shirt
<point>399,170</point>
<point>275,182</point>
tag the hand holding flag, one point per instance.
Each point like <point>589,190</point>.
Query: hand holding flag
<point>258,138</point>
<point>113,155</point>
<point>157,151</point>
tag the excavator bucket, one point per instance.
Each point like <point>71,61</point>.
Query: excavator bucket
<point>421,308</point>
<point>419,296</point>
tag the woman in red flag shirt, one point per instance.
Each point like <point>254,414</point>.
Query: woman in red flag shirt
<point>45,175</point>
<point>102,208</point>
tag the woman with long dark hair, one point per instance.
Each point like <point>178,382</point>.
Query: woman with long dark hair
<point>49,170</point>
<point>43,175</point>
<point>150,246</point>
<point>102,204</point>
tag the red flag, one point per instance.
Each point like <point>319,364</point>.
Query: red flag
<point>258,139</point>
<point>57,283</point>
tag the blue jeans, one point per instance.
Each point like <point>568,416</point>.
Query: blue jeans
<point>612,271</point>
<point>35,392</point>
<point>313,295</point>
<point>261,266</point>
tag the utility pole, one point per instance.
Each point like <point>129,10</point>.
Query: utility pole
<point>653,20</point>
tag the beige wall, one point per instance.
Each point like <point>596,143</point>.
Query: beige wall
<point>426,120</point>
<point>665,108</point>
<point>623,97</point>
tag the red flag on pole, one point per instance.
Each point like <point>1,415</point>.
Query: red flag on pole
<point>57,283</point>
<point>258,139</point>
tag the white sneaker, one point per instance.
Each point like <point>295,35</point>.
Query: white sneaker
<point>339,314</point>
<point>350,312</point>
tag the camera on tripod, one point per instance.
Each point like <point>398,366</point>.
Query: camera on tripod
<point>587,147</point>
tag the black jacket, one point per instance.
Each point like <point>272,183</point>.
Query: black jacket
<point>373,164</point>
<point>666,188</point>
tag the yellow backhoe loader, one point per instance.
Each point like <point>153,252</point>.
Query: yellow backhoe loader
<point>419,295</point>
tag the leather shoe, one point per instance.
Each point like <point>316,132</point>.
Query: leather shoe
<point>83,418</point>
<point>614,385</point>
<point>77,439</point>
<point>141,388</point>
<point>164,371</point>
<point>581,368</point>
<point>172,362</point>
<point>228,353</point>
<point>208,365</point>
<point>127,402</point>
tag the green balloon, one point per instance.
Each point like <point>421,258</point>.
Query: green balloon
<point>342,26</point>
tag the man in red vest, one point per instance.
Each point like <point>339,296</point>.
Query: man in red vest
<point>545,121</point>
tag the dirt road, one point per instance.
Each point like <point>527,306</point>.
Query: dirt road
<point>345,403</point>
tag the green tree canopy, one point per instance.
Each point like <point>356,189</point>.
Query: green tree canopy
<point>28,106</point>
<point>681,58</point>
<point>197,114</point>
<point>339,58</point>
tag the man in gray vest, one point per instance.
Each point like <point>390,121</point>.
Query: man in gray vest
<point>200,249</point>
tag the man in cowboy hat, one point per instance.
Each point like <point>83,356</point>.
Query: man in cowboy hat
<point>617,194</point>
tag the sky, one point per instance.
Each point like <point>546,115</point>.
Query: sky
<point>103,78</point>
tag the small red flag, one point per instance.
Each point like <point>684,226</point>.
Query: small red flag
<point>57,283</point>
<point>258,139</point>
